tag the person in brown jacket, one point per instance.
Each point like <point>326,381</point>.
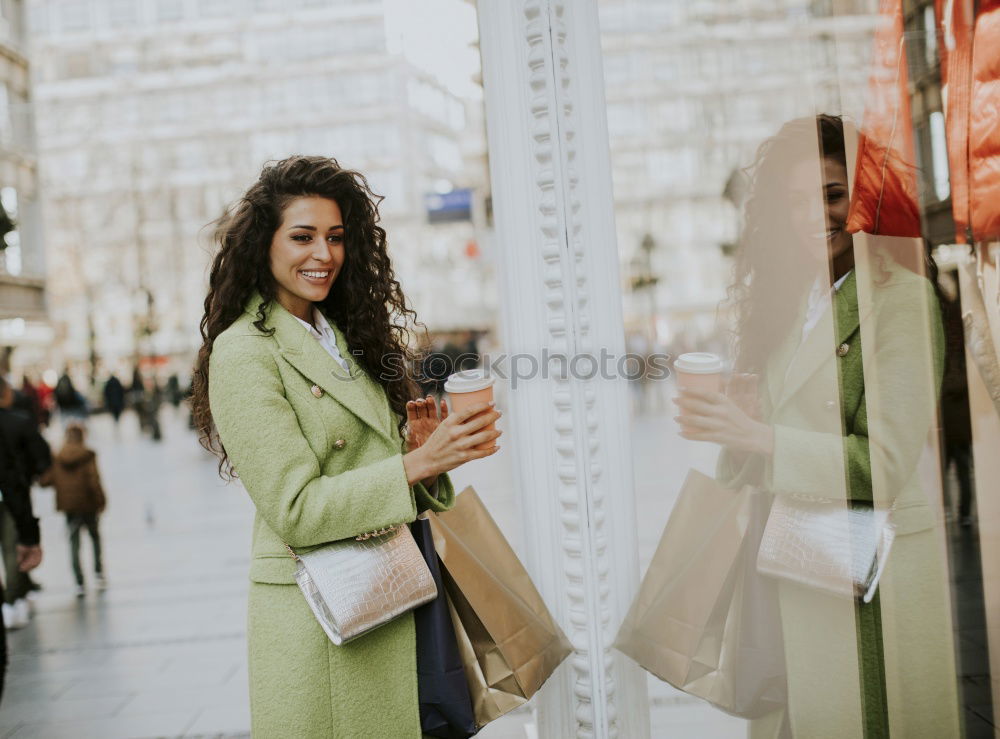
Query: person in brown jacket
<point>80,496</point>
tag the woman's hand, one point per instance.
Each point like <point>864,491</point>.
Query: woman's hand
<point>28,557</point>
<point>421,420</point>
<point>451,443</point>
<point>714,417</point>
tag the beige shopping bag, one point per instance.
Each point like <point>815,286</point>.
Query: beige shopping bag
<point>509,642</point>
<point>978,331</point>
<point>703,619</point>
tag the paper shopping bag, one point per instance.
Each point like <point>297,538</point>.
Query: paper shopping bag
<point>703,619</point>
<point>509,642</point>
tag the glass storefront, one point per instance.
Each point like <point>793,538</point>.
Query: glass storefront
<point>782,200</point>
<point>812,473</point>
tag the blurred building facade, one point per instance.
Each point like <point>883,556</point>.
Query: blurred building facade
<point>692,90</point>
<point>154,115</point>
<point>24,328</point>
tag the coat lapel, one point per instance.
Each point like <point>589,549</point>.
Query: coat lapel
<point>375,395</point>
<point>352,389</point>
<point>781,357</point>
<point>846,311</point>
<point>838,323</point>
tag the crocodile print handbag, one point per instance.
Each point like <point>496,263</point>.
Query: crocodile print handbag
<point>828,545</point>
<point>355,585</point>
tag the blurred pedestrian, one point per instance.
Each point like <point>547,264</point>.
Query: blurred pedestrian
<point>956,418</point>
<point>45,402</point>
<point>434,368</point>
<point>69,400</point>
<point>80,495</point>
<point>17,505</point>
<point>24,456</point>
<point>26,401</point>
<point>149,408</point>
<point>173,390</point>
<point>135,390</point>
<point>114,397</point>
<point>31,400</point>
<point>468,357</point>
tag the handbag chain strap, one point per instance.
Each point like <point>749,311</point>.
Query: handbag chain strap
<point>810,499</point>
<point>360,537</point>
<point>380,532</point>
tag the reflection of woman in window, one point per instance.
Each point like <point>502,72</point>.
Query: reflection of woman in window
<point>300,373</point>
<point>825,425</point>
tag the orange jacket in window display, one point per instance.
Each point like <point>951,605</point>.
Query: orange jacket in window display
<point>970,71</point>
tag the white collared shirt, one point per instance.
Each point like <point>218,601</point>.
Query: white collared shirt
<point>326,336</point>
<point>819,302</point>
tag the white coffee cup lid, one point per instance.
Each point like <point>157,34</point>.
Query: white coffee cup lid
<point>698,363</point>
<point>468,381</point>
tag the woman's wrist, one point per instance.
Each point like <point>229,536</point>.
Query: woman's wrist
<point>416,467</point>
<point>766,440</point>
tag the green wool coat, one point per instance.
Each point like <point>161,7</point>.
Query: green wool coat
<point>318,451</point>
<point>852,426</point>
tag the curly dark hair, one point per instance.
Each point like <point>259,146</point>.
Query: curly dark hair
<point>761,293</point>
<point>366,301</point>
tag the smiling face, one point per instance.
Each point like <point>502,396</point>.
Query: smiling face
<point>307,253</point>
<point>819,215</point>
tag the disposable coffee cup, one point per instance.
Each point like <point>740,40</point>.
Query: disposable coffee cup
<point>698,371</point>
<point>468,388</point>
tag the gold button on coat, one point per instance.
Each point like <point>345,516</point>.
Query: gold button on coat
<point>339,444</point>
<point>843,349</point>
<point>317,391</point>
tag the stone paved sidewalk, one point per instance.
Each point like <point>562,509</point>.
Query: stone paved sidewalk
<point>161,653</point>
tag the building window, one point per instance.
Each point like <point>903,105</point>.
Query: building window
<point>123,13</point>
<point>939,156</point>
<point>6,120</point>
<point>932,158</point>
<point>921,47</point>
<point>169,10</point>
<point>74,15</point>
<point>626,119</point>
<point>444,153</point>
<point>12,13</point>
<point>38,18</point>
<point>12,239</point>
<point>76,66</point>
<point>215,8</point>
<point>930,42</point>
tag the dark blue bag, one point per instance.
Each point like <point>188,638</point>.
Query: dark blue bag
<point>445,702</point>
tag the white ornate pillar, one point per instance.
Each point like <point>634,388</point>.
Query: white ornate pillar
<point>555,239</point>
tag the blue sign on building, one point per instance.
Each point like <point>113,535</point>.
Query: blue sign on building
<point>449,207</point>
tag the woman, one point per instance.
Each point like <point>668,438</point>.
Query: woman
<point>830,423</point>
<point>300,374</point>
